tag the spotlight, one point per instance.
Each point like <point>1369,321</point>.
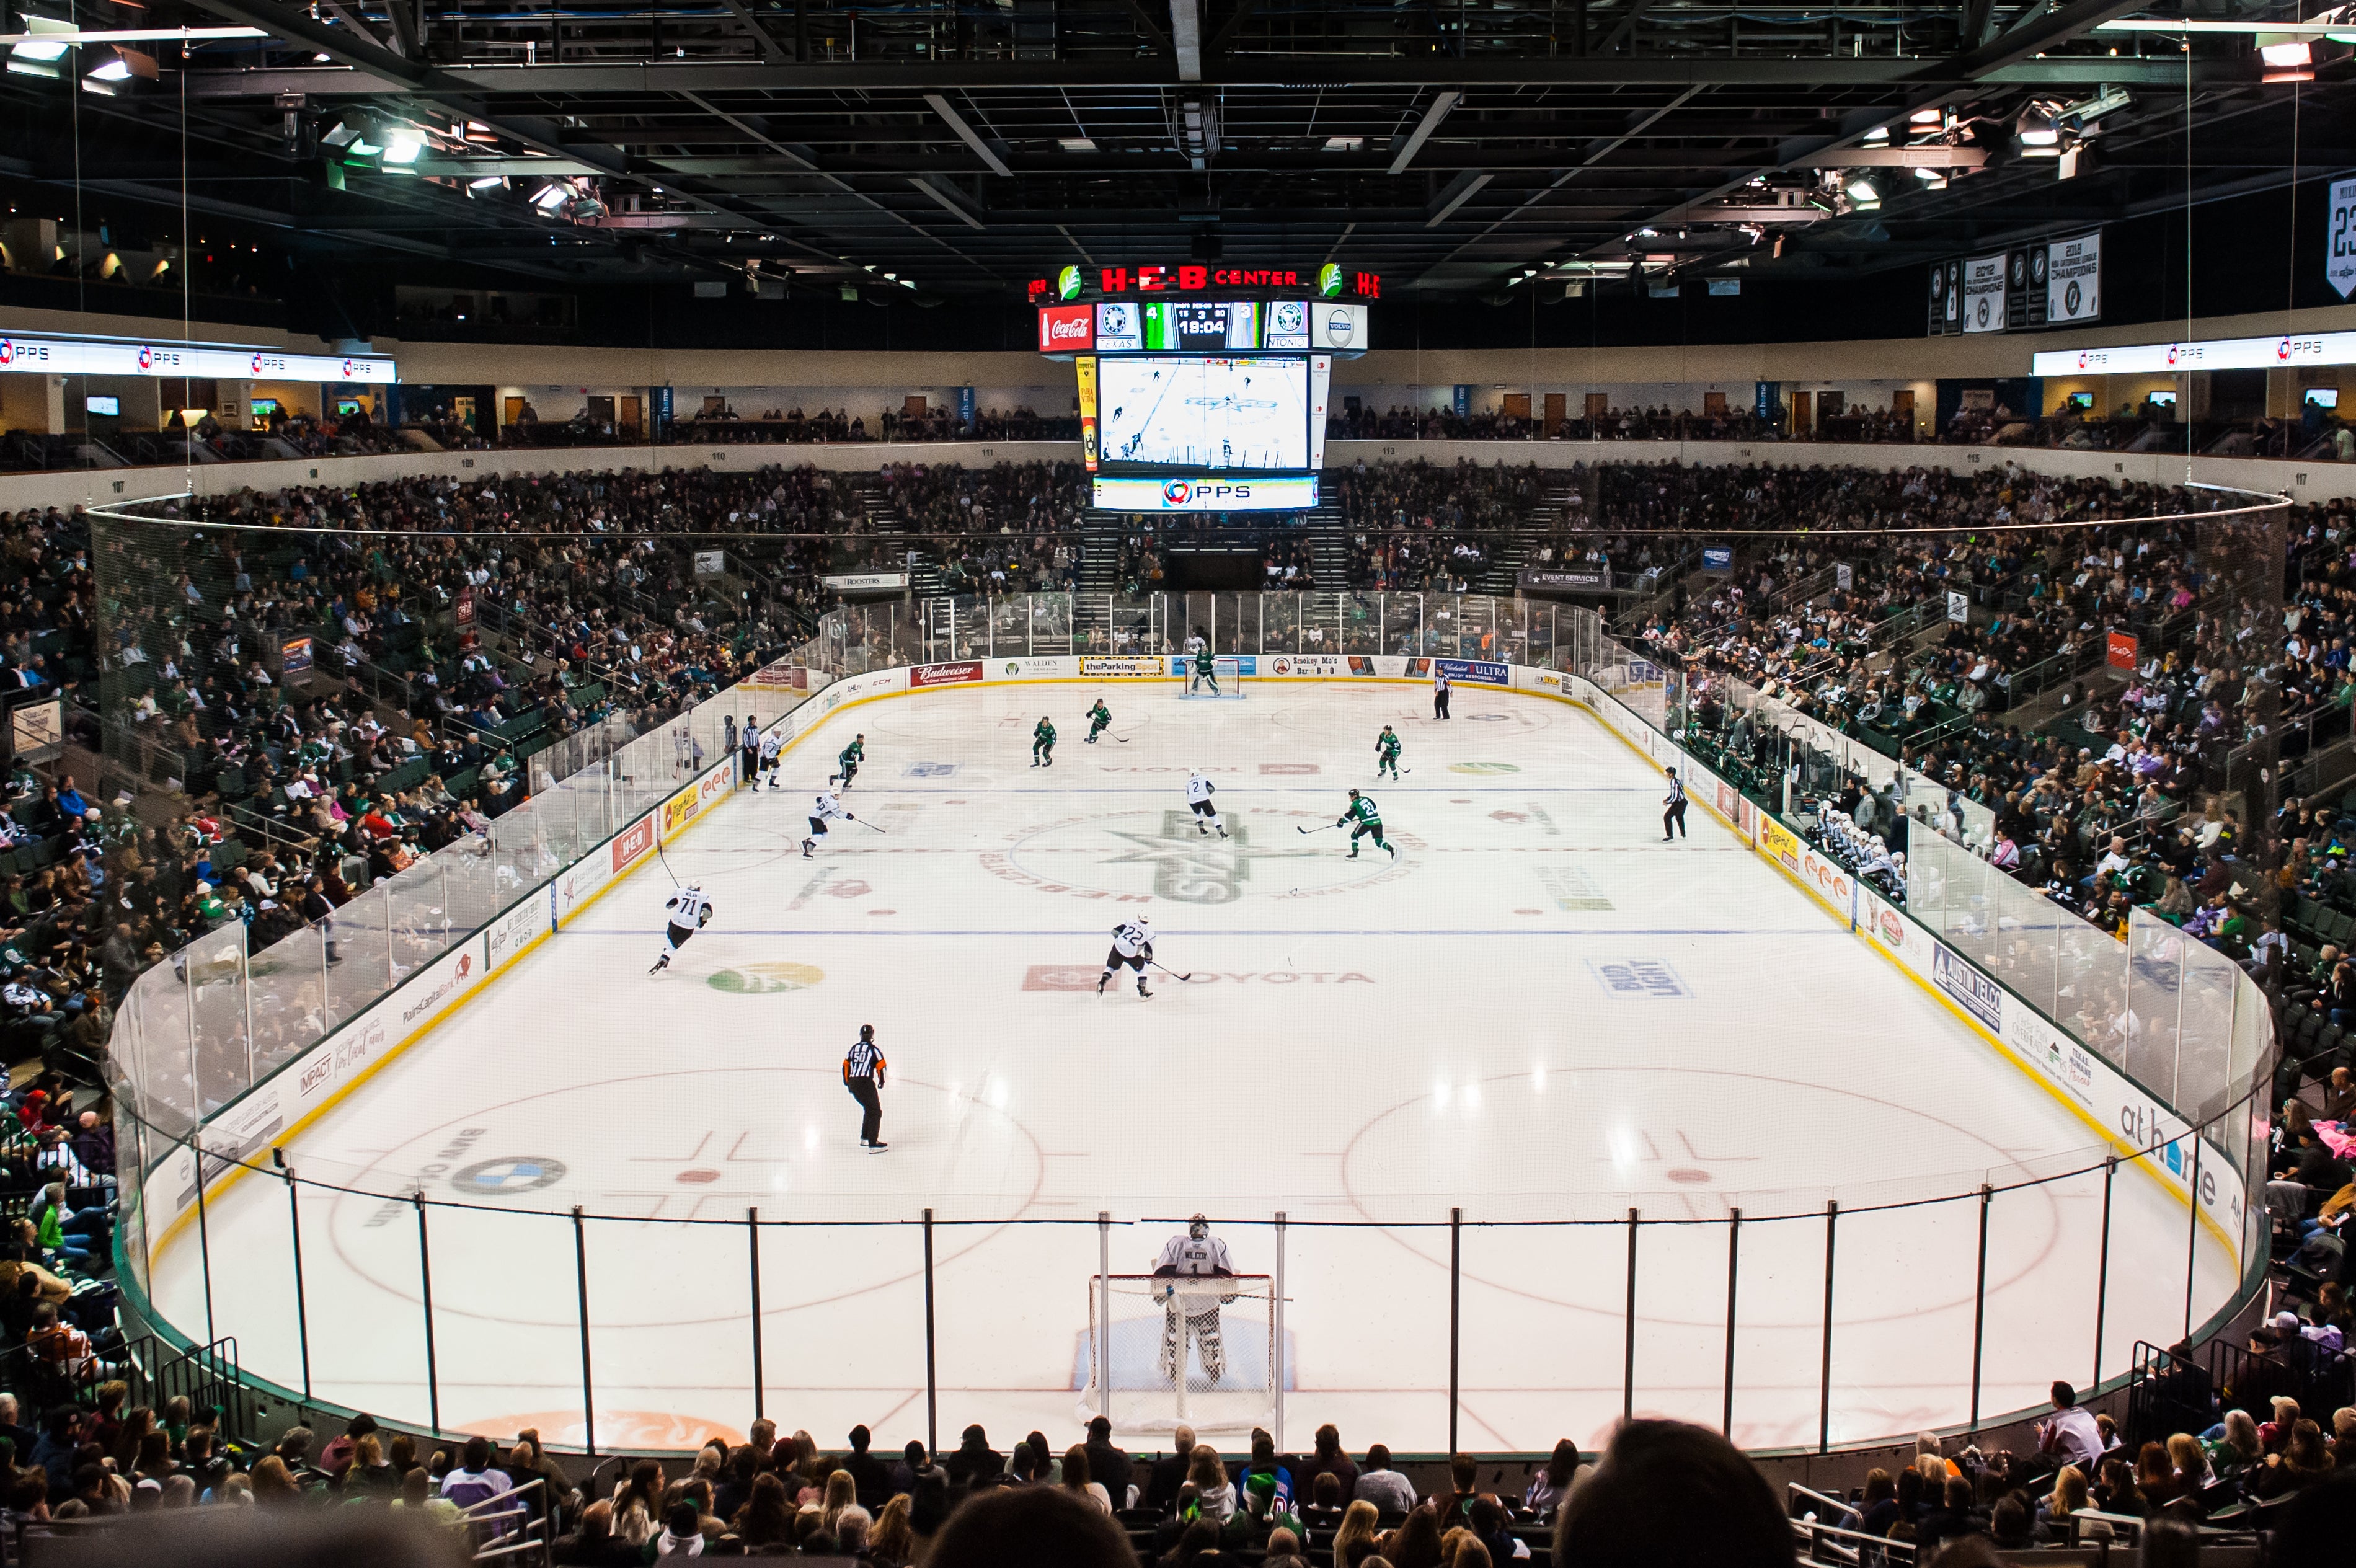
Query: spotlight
<point>39,56</point>
<point>402,145</point>
<point>1863,192</point>
<point>552,199</point>
<point>118,66</point>
<point>2036,126</point>
<point>2294,55</point>
<point>489,182</point>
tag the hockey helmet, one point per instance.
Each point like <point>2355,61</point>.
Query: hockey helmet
<point>1198,1228</point>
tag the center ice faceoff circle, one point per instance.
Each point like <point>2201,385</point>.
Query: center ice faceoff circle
<point>1162,853</point>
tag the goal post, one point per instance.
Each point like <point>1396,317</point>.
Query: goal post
<point>1227,669</point>
<point>1167,1351</point>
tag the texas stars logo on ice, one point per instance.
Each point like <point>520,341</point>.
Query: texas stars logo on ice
<point>1192,869</point>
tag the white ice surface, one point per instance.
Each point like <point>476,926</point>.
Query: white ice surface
<point>1363,1042</point>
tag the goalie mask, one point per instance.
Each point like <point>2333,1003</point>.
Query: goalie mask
<point>1198,1228</point>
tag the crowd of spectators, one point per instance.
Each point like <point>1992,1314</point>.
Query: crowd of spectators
<point>1422,526</point>
<point>1017,424</point>
<point>1661,1495</point>
<point>1013,528</point>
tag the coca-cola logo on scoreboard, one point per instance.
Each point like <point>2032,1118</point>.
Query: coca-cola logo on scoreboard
<point>1065,327</point>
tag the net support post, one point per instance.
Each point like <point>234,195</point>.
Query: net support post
<point>753,1280</point>
<point>204,1229</point>
<point>1455,1315</point>
<point>1733,1278</point>
<point>1276,1333</point>
<point>2103,1267</point>
<point>1101,1340</point>
<point>1628,1322</point>
<point>2192,1231</point>
<point>425,1296</point>
<point>581,1298</point>
<point>932,1379</point>
<point>294,1239</point>
<point>1825,1376</point>
<point>1979,1303</point>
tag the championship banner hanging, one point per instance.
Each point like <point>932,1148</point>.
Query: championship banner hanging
<point>2074,279</point>
<point>2339,239</point>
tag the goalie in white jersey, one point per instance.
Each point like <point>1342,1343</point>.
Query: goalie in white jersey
<point>689,912</point>
<point>826,809</point>
<point>1132,948</point>
<point>1197,1254</point>
<point>1198,800</point>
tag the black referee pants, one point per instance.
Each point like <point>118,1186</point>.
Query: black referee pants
<point>1672,821</point>
<point>1440,704</point>
<point>870,1123</point>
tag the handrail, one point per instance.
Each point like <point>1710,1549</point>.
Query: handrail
<point>1812,1534</point>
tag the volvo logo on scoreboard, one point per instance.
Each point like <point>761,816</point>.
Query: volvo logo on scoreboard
<point>1276,492</point>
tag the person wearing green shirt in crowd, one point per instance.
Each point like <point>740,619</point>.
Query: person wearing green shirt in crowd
<point>852,756</point>
<point>1043,744</point>
<point>1368,820</point>
<point>1386,752</point>
<point>1099,720</point>
<point>1207,668</point>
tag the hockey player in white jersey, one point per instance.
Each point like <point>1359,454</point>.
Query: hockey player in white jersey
<point>826,809</point>
<point>689,911</point>
<point>771,744</point>
<point>1197,1254</point>
<point>1198,800</point>
<point>1132,948</point>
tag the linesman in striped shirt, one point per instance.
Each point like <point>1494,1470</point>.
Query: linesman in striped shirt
<point>862,1075</point>
<point>1673,816</point>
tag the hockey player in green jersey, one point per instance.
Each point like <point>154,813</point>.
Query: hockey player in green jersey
<point>1206,669</point>
<point>1099,720</point>
<point>1043,744</point>
<point>1386,752</point>
<point>852,756</point>
<point>1363,818</point>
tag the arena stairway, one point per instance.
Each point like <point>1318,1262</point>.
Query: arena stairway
<point>882,521</point>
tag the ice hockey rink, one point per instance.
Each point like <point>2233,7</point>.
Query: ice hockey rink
<point>1538,1013</point>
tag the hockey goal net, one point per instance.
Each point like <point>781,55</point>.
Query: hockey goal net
<point>1226,675</point>
<point>1167,1351</point>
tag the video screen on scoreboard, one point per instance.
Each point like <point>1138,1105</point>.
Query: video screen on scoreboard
<point>1225,414</point>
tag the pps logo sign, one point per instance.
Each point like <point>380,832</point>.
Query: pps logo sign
<point>1177,493</point>
<point>508,1177</point>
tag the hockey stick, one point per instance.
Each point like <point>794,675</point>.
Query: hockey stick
<point>1326,828</point>
<point>871,827</point>
<point>666,861</point>
<point>1172,974</point>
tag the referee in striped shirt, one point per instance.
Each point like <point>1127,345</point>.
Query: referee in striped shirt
<point>862,1074</point>
<point>1673,820</point>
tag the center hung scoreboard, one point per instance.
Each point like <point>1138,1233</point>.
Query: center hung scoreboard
<point>1194,397</point>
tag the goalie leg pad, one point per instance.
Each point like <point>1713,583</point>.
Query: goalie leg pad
<point>1206,1328</point>
<point>1171,1348</point>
